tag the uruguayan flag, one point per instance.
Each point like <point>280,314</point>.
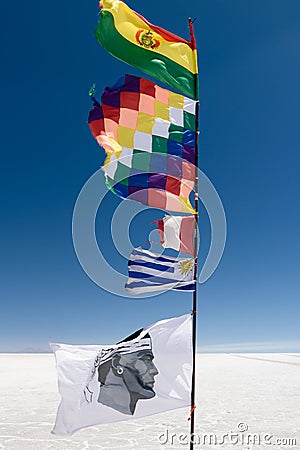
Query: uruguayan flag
<point>151,272</point>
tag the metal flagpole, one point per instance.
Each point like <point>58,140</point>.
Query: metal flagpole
<point>194,311</point>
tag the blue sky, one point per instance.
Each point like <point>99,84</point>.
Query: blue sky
<point>249,148</point>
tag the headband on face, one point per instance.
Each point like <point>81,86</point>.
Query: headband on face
<point>123,348</point>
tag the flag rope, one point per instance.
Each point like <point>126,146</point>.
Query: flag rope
<point>193,407</point>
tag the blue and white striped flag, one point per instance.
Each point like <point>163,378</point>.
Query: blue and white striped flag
<point>149,272</point>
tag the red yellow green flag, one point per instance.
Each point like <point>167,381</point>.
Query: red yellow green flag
<point>130,37</point>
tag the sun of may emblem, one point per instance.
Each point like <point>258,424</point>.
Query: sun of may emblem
<point>186,266</point>
<point>146,39</point>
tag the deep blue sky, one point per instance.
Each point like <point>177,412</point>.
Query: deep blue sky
<point>249,88</point>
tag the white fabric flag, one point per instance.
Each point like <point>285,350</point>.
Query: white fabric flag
<point>146,373</point>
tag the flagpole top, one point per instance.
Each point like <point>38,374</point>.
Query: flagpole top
<point>192,34</point>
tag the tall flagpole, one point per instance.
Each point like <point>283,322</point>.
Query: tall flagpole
<point>194,311</point>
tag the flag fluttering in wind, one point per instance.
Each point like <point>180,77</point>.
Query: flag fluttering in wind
<point>130,37</point>
<point>177,232</point>
<point>146,373</point>
<point>134,109</point>
<point>149,272</point>
<point>149,137</point>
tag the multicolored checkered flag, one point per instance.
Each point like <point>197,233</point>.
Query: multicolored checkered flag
<point>149,136</point>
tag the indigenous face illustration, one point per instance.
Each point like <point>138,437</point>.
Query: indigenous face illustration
<point>126,374</point>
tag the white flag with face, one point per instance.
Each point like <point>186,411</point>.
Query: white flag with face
<point>147,373</point>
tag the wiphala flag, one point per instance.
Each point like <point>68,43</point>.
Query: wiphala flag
<point>149,136</point>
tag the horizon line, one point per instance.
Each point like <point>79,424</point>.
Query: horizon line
<point>235,347</point>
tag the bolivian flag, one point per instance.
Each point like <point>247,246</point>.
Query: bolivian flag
<point>163,55</point>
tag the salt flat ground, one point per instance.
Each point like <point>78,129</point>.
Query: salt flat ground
<point>256,396</point>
